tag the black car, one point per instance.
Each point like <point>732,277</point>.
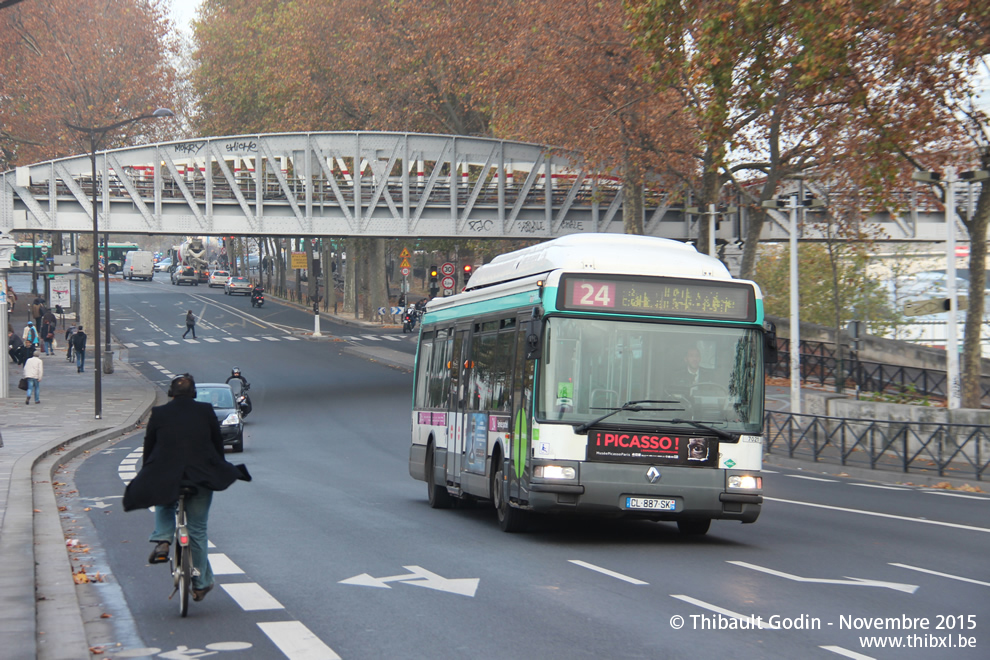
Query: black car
<point>221,397</point>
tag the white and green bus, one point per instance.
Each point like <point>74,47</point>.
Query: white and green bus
<point>600,374</point>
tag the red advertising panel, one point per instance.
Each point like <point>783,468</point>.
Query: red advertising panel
<point>647,447</point>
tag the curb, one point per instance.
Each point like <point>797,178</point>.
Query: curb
<point>53,614</point>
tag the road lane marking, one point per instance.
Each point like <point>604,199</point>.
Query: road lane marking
<point>150,343</point>
<point>271,338</point>
<point>939,523</point>
<point>373,338</point>
<point>234,339</point>
<point>721,610</point>
<point>212,340</point>
<point>801,476</point>
<point>847,653</point>
<point>251,596</point>
<point>223,565</point>
<point>296,641</point>
<point>605,571</point>
<point>129,345</point>
<point>291,338</point>
<point>171,342</point>
<point>879,486</point>
<point>850,581</point>
<point>251,339</point>
<point>966,497</point>
<point>945,575</point>
<point>190,341</point>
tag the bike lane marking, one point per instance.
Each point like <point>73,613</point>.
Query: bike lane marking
<point>251,596</point>
<point>296,641</point>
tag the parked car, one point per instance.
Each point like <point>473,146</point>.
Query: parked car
<point>163,265</point>
<point>185,275</point>
<point>221,397</point>
<point>218,278</point>
<point>238,285</point>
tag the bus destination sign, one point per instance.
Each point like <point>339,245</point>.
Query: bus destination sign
<point>658,296</point>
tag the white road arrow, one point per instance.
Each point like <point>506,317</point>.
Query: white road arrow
<point>856,582</point>
<point>128,329</point>
<point>418,577</point>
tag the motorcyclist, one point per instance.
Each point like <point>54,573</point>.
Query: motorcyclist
<point>257,293</point>
<point>235,374</point>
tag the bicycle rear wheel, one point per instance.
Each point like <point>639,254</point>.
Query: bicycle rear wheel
<point>183,559</point>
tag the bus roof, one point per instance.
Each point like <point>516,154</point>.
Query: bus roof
<point>605,253</point>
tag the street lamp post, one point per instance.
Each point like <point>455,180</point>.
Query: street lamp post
<point>96,135</point>
<point>950,178</point>
<point>792,205</point>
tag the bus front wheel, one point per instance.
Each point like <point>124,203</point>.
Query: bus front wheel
<point>510,519</point>
<point>438,495</point>
<point>694,526</point>
<point>113,269</point>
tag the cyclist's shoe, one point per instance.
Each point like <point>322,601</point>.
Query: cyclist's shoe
<point>160,554</point>
<point>200,594</point>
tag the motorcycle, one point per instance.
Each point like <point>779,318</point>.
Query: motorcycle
<point>409,319</point>
<point>241,398</point>
<point>257,299</point>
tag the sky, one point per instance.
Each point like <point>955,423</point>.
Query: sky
<point>184,11</point>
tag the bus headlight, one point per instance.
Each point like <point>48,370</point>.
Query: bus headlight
<point>231,420</point>
<point>745,481</point>
<point>554,472</point>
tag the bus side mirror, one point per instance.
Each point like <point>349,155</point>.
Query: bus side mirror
<point>534,334</point>
<point>769,342</point>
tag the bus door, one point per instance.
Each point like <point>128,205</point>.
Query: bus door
<point>457,416</point>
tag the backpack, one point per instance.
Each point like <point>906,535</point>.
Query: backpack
<point>79,341</point>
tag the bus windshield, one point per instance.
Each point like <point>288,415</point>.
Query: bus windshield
<point>709,375</point>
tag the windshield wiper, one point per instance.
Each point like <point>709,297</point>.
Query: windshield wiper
<point>719,433</point>
<point>628,406</point>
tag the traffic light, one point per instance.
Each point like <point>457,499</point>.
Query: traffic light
<point>467,272</point>
<point>433,274</point>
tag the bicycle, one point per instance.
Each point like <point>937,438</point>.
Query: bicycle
<point>180,562</point>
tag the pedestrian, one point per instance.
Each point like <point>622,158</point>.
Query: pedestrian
<point>31,338</point>
<point>79,346</point>
<point>68,342</point>
<point>11,299</point>
<point>48,334</point>
<point>15,348</point>
<point>34,368</point>
<point>38,310</point>
<point>190,324</point>
<point>182,446</point>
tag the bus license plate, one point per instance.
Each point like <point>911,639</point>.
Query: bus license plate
<point>650,503</point>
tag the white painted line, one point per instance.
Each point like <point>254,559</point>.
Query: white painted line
<point>251,597</point>
<point>126,475</point>
<point>222,565</point>
<point>801,476</point>
<point>945,575</point>
<point>150,343</point>
<point>883,487</point>
<point>721,610</point>
<point>127,345</point>
<point>153,363</point>
<point>129,461</point>
<point>190,341</point>
<point>372,338</point>
<point>296,641</point>
<point>291,338</point>
<point>847,653</point>
<point>231,339</point>
<point>765,471</point>
<point>391,338</point>
<point>171,342</point>
<point>605,571</point>
<point>351,337</point>
<point>251,339</point>
<point>209,544</point>
<point>271,338</point>
<point>971,528</point>
<point>965,497</point>
<point>212,340</point>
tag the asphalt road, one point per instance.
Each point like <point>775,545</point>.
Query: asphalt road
<point>321,554</point>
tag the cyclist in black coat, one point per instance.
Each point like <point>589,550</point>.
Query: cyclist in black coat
<point>182,446</point>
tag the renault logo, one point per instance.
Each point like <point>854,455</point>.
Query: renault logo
<point>653,474</point>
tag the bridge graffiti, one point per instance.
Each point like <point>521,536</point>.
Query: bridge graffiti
<point>241,145</point>
<point>480,225</point>
<point>189,148</point>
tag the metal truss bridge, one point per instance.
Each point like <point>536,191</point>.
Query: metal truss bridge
<point>360,184</point>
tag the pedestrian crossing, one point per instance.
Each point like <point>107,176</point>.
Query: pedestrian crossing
<point>263,338</point>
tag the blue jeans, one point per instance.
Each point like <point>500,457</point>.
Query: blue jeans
<point>34,385</point>
<point>48,347</point>
<point>80,359</point>
<point>197,514</point>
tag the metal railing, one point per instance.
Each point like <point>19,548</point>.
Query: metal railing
<point>819,366</point>
<point>957,450</point>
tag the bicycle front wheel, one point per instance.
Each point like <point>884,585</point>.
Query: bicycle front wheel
<point>184,561</point>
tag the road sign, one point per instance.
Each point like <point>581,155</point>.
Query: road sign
<point>297,260</point>
<point>447,268</point>
<point>933,306</point>
<point>405,271</point>
<point>405,263</point>
<point>447,282</point>
<point>405,253</point>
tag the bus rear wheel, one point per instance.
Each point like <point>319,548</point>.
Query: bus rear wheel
<point>438,495</point>
<point>510,519</point>
<point>694,526</point>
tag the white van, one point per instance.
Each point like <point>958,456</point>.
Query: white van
<point>138,263</point>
